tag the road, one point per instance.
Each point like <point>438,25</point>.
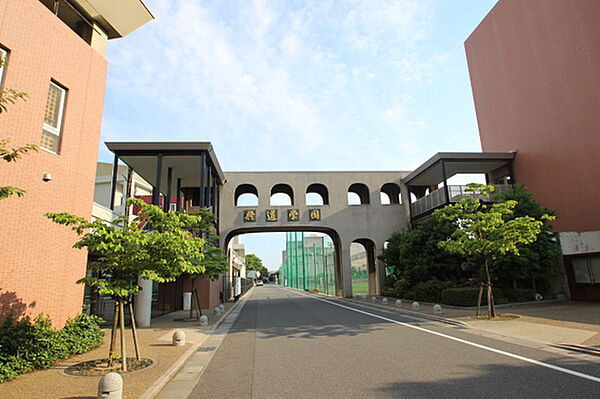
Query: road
<point>290,344</point>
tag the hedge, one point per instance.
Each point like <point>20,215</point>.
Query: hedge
<point>520,294</point>
<point>467,296</point>
<point>26,345</point>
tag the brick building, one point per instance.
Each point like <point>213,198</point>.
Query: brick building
<point>55,52</point>
<point>534,67</point>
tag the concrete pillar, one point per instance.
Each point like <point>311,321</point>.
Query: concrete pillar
<point>143,303</point>
<point>346,270</point>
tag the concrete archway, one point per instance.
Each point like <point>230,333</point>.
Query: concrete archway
<point>372,275</point>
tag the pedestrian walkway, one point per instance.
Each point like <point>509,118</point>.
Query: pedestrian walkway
<point>155,343</point>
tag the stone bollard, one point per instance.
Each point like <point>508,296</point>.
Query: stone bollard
<point>363,297</point>
<point>217,311</point>
<point>398,302</point>
<point>110,386</point>
<point>437,309</point>
<point>354,296</point>
<point>222,307</point>
<point>178,338</point>
<point>203,320</point>
<point>373,299</point>
<point>384,301</point>
<point>416,306</point>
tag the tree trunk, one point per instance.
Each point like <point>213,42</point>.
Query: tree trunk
<point>478,312</point>
<point>198,307</point>
<point>134,331</point>
<point>490,295</point>
<point>122,328</point>
<point>113,335</point>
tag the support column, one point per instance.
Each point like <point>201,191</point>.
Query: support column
<point>344,271</point>
<point>169,184</point>
<point>209,186</point>
<point>446,192</point>
<point>202,200</point>
<point>178,207</point>
<point>143,303</point>
<point>113,182</point>
<point>156,191</point>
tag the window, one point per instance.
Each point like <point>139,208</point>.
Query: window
<point>53,118</point>
<point>587,269</point>
<point>3,59</point>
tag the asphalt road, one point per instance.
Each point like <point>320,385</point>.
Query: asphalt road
<point>288,344</point>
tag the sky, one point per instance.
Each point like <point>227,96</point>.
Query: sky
<point>298,85</point>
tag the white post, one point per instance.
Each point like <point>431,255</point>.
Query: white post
<point>143,303</point>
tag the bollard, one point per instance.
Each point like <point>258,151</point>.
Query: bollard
<point>415,305</point>
<point>217,311</point>
<point>354,296</point>
<point>373,299</point>
<point>178,338</point>
<point>110,386</point>
<point>222,307</point>
<point>437,309</point>
<point>385,301</point>
<point>398,302</point>
<point>203,320</point>
<point>364,297</point>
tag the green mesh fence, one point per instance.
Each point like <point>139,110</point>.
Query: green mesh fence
<point>309,263</point>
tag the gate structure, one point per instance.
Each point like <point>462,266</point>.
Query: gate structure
<point>368,222</point>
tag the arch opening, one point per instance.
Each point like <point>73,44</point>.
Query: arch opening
<point>317,194</point>
<point>302,259</point>
<point>364,272</point>
<point>246,195</point>
<point>390,194</point>
<point>282,195</point>
<point>358,194</point>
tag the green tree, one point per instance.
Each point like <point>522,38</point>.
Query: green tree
<point>537,260</point>
<point>485,233</point>
<point>214,261</point>
<point>415,256</point>
<point>10,96</point>
<point>155,245</point>
<point>253,262</point>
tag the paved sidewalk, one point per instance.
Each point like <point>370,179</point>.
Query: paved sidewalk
<point>561,322</point>
<point>155,343</point>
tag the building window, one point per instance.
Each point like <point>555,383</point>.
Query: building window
<point>3,60</point>
<point>53,118</point>
<point>587,269</point>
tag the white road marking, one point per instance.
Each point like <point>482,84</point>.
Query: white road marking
<point>487,348</point>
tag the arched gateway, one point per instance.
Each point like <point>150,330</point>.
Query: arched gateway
<point>369,221</point>
<point>352,207</point>
<point>189,175</point>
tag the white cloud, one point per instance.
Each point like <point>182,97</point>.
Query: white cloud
<point>282,85</point>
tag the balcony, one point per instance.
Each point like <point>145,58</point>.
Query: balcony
<point>437,199</point>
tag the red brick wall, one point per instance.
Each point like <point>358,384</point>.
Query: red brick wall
<point>38,267</point>
<point>534,67</point>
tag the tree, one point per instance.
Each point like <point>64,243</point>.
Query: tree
<point>538,259</point>
<point>415,256</point>
<point>215,261</point>
<point>155,245</point>
<point>253,262</point>
<point>11,155</point>
<point>485,233</point>
<point>10,96</point>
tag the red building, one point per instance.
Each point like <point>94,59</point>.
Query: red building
<point>535,73</point>
<point>55,53</point>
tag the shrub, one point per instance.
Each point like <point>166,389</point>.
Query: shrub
<point>26,345</point>
<point>389,293</point>
<point>467,296</point>
<point>520,294</point>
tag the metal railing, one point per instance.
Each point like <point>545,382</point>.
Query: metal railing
<point>437,198</point>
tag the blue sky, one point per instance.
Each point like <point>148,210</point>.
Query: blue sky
<point>298,85</point>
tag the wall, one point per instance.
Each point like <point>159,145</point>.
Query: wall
<point>535,78</point>
<point>373,221</point>
<point>38,267</point>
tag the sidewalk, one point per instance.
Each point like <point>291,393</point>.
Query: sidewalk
<point>155,343</point>
<point>544,323</point>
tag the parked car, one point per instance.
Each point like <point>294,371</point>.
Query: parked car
<point>259,283</point>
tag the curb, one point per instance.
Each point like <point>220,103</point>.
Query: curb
<point>179,363</point>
